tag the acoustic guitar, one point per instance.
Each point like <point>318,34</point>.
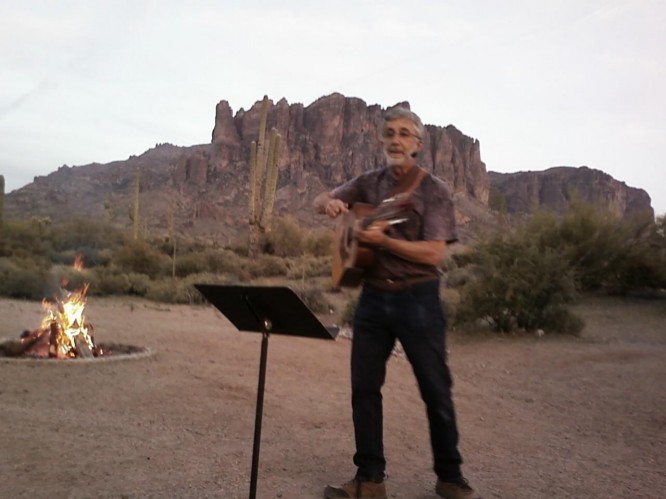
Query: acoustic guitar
<point>350,257</point>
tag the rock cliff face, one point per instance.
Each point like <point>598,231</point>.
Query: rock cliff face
<point>556,187</point>
<point>336,138</point>
<point>323,144</point>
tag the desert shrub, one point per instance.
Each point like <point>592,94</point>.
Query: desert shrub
<point>517,285</point>
<point>63,257</point>
<point>644,265</point>
<point>109,282</point>
<point>641,268</point>
<point>605,253</point>
<point>207,260</point>
<point>141,258</point>
<point>164,290</point>
<point>286,238</point>
<point>221,260</point>
<point>21,278</point>
<point>137,284</point>
<point>25,240</point>
<point>190,263</point>
<point>308,266</point>
<point>459,276</point>
<point>450,299</point>
<point>559,319</point>
<point>116,281</point>
<point>319,242</point>
<point>89,256</point>
<point>183,290</point>
<point>85,236</point>
<point>241,250</point>
<point>266,266</point>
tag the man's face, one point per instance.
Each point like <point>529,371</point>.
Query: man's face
<point>401,142</point>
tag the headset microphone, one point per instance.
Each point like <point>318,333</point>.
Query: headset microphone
<point>414,154</point>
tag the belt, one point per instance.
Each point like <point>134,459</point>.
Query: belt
<point>399,284</point>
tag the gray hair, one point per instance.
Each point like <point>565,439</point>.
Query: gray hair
<point>398,112</point>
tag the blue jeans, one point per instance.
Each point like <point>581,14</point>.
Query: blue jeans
<point>415,317</point>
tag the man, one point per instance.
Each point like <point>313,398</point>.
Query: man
<point>400,300</point>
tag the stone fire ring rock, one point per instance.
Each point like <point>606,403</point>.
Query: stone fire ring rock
<point>116,352</point>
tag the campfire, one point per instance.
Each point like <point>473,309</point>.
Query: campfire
<point>64,332</point>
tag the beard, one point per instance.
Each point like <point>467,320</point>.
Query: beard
<point>401,159</point>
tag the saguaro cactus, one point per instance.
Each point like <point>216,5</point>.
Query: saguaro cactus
<point>263,173</point>
<point>134,207</point>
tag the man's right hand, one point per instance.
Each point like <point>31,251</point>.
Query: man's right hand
<point>335,207</point>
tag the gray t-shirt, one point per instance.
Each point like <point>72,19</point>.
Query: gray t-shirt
<point>430,218</point>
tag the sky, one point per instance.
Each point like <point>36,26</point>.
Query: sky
<point>539,84</point>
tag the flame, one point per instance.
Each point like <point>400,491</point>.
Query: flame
<point>64,331</point>
<point>78,263</point>
<point>67,324</point>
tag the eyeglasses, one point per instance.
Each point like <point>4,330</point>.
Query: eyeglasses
<point>403,133</point>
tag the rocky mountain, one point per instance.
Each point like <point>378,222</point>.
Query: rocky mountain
<point>204,188</point>
<point>557,187</point>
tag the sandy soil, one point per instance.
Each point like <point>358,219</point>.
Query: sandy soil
<point>539,417</point>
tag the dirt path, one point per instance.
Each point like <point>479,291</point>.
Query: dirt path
<point>539,417</point>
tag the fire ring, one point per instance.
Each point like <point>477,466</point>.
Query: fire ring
<point>112,352</point>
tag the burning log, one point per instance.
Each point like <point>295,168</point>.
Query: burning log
<point>16,348</point>
<point>54,332</point>
<point>83,350</point>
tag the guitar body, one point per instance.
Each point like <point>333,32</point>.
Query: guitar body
<point>351,259</point>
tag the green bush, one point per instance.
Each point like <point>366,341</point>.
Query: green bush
<point>319,242</point>
<point>516,286</point>
<point>450,299</point>
<point>208,260</point>
<point>605,253</point>
<point>266,266</point>
<point>183,290</point>
<point>139,257</point>
<point>26,239</point>
<point>116,281</point>
<point>308,267</point>
<point>286,238</point>
<point>561,320</point>
<point>23,279</point>
<point>85,235</point>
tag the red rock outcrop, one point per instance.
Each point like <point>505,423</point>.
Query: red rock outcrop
<point>336,138</point>
<point>557,187</point>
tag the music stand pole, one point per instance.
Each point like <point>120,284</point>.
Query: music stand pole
<point>259,410</point>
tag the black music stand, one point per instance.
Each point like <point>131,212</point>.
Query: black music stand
<point>266,310</point>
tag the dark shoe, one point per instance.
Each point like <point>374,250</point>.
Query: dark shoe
<point>356,489</point>
<point>459,489</point>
